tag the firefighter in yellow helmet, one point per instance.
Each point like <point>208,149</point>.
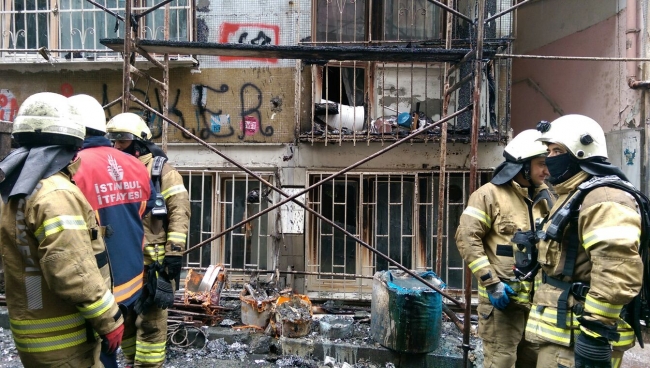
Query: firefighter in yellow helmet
<point>56,270</point>
<point>164,245</point>
<point>514,199</point>
<point>591,265</point>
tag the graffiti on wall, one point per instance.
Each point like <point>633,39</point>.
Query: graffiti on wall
<point>249,33</point>
<point>8,105</point>
<point>209,119</point>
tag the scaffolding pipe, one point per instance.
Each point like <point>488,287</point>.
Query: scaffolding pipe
<point>473,163</point>
<point>451,10</point>
<point>442,184</point>
<point>497,15</point>
<point>568,58</point>
<point>126,68</point>
<point>293,197</point>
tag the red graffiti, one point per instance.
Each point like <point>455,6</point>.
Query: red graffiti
<point>249,33</point>
<point>249,125</point>
<point>8,105</point>
<point>67,90</point>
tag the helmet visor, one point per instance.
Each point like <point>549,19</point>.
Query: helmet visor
<point>121,136</point>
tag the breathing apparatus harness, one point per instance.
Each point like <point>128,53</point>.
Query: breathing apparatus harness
<point>567,215</point>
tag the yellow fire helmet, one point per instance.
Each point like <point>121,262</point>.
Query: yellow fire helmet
<point>44,119</point>
<point>580,135</point>
<point>128,126</point>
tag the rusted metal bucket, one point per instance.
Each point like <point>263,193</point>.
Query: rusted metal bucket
<point>293,315</point>
<point>255,312</point>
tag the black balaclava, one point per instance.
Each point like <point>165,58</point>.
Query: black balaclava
<point>562,167</point>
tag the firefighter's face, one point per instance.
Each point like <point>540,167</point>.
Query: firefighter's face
<point>538,170</point>
<point>122,144</point>
<point>555,149</point>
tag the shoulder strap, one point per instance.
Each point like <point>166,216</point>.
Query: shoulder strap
<point>156,170</point>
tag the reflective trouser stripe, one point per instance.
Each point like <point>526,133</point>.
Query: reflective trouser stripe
<point>173,190</point>
<point>626,334</point>
<point>478,263</point>
<point>99,307</point>
<point>149,352</point>
<point>176,237</point>
<point>43,344</point>
<point>544,325</point>
<point>58,224</point>
<point>479,215</point>
<point>128,346</point>
<point>126,290</point>
<point>19,327</point>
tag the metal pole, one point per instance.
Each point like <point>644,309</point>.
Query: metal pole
<point>451,10</point>
<point>442,182</point>
<point>126,69</point>
<point>473,165</point>
<point>292,198</point>
<point>497,15</point>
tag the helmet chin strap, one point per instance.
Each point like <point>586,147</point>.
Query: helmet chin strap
<point>526,171</point>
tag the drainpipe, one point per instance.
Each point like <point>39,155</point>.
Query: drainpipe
<point>631,43</point>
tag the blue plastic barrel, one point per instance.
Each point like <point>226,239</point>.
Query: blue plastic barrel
<point>406,314</point>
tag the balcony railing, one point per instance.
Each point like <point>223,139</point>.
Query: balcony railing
<point>70,30</point>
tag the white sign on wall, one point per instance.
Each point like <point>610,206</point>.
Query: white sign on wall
<point>291,214</point>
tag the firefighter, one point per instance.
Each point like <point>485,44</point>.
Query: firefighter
<point>512,201</point>
<point>56,267</point>
<point>118,188</point>
<point>594,269</point>
<point>164,245</point>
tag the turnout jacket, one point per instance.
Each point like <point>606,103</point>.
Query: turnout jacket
<point>172,238</point>
<point>118,188</point>
<point>492,216</point>
<point>56,274</point>
<point>609,229</point>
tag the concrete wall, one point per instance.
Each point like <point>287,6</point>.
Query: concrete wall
<point>594,88</point>
<point>232,105</point>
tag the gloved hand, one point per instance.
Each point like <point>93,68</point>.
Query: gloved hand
<point>592,352</point>
<point>164,297</point>
<point>173,265</point>
<point>111,341</point>
<point>498,294</point>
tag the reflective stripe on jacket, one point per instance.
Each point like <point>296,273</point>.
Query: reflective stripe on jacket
<point>54,288</point>
<point>172,241</point>
<point>608,260</point>
<point>492,216</point>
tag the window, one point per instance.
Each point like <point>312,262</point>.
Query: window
<point>355,21</point>
<point>245,247</point>
<point>76,24</point>
<point>397,214</point>
<point>201,189</point>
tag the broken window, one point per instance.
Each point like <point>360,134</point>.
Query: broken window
<point>245,247</point>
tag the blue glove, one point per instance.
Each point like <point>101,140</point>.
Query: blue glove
<point>498,294</point>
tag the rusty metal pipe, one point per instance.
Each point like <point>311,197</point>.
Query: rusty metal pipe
<point>292,198</point>
<point>473,165</point>
<point>451,10</point>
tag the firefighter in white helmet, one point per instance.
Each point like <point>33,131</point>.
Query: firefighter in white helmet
<point>495,213</point>
<point>118,188</point>
<point>56,270</point>
<point>591,265</point>
<point>164,245</point>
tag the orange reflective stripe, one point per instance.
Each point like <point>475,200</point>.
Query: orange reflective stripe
<point>124,291</point>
